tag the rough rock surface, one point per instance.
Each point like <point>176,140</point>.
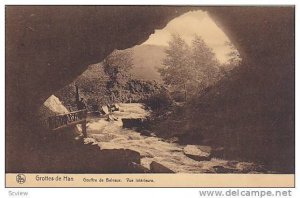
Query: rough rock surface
<point>159,168</point>
<point>199,153</point>
<point>51,107</point>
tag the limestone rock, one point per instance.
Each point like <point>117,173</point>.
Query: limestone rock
<point>246,167</point>
<point>198,153</point>
<point>132,122</point>
<point>123,155</point>
<point>104,109</point>
<point>222,169</point>
<point>112,118</point>
<point>115,107</point>
<point>138,168</point>
<point>156,167</point>
<point>146,133</point>
<point>51,107</point>
<point>89,141</point>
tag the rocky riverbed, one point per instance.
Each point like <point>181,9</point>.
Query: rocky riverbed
<point>178,158</point>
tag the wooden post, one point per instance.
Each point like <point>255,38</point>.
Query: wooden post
<point>83,126</point>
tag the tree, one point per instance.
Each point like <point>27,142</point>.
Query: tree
<point>189,68</point>
<point>233,55</point>
<point>117,66</point>
<point>176,72</point>
<point>205,65</point>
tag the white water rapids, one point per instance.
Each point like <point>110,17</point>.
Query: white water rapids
<point>111,135</point>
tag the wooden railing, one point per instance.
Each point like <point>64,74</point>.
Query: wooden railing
<point>69,119</point>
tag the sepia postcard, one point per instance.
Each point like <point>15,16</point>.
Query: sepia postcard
<point>149,96</point>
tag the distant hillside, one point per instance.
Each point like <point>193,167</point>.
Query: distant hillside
<point>94,72</point>
<point>147,59</point>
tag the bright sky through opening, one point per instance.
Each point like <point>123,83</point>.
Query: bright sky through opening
<point>189,24</point>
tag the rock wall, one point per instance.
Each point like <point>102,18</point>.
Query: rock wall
<point>48,46</point>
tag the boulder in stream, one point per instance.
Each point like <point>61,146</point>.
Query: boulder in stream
<point>133,122</point>
<point>123,155</point>
<point>156,167</point>
<point>146,132</point>
<point>105,110</point>
<point>115,107</point>
<point>111,117</point>
<point>247,167</point>
<point>198,153</point>
<point>138,168</point>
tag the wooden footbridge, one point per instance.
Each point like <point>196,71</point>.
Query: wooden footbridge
<point>61,121</point>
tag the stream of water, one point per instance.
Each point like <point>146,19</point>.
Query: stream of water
<point>111,135</point>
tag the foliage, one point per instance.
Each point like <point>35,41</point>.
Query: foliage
<point>93,88</point>
<point>189,68</point>
<point>159,101</point>
<point>234,60</point>
<point>234,55</point>
<point>176,72</point>
<point>116,67</point>
<point>205,65</point>
<point>138,86</point>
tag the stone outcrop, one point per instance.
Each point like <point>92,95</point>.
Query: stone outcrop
<point>51,107</point>
<point>133,122</point>
<point>156,167</point>
<point>199,153</point>
<point>138,168</point>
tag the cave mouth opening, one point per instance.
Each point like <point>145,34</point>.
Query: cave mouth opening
<point>146,61</point>
<point>258,101</point>
<point>198,48</point>
<point>188,58</point>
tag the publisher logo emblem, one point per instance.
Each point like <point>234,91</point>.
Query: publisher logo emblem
<point>21,178</point>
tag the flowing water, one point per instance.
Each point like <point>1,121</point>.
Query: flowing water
<point>111,135</point>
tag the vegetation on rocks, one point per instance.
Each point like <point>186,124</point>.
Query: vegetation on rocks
<point>109,82</point>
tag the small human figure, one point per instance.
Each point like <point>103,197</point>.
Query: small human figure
<point>81,104</point>
<point>77,94</point>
